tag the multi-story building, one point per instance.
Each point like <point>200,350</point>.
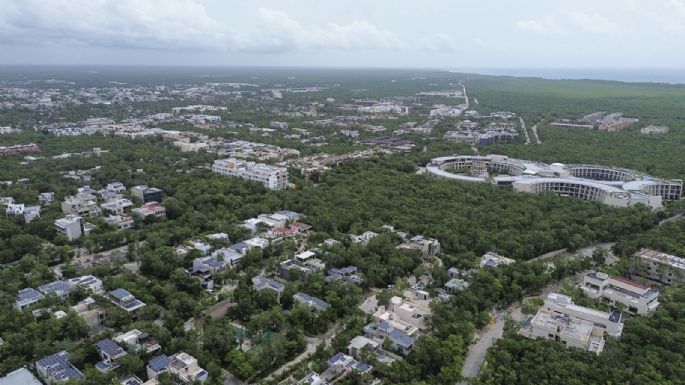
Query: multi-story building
<point>111,355</point>
<point>92,315</point>
<point>71,226</point>
<point>61,289</point>
<point>272,177</point>
<point>559,319</point>
<point>150,208</point>
<point>146,194</point>
<point>493,260</point>
<point>429,247</point>
<point>126,301</point>
<point>662,267</point>
<point>182,366</point>
<point>636,297</point>
<point>81,204</point>
<point>57,368</point>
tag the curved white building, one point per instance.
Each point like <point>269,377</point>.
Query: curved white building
<point>613,186</point>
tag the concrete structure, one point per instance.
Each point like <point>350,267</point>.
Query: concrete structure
<point>429,247</point>
<point>111,354</point>
<point>89,282</point>
<point>312,378</point>
<point>56,368</point>
<point>61,289</point>
<point>139,341</point>
<point>341,364</point>
<point>82,204</point>
<point>146,194</point>
<point>662,267</point>
<point>182,366</point>
<point>27,297</point>
<point>92,315</point>
<point>19,377</point>
<point>382,330</point>
<point>272,177</point>
<point>314,303</point>
<point>493,260</point>
<point>150,208</point>
<point>126,301</point>
<point>613,186</point>
<point>71,226</point>
<point>559,319</point>
<point>456,285</point>
<point>636,297</point>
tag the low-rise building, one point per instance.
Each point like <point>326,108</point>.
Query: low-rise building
<point>493,260</point>
<point>346,274</point>
<point>27,297</point>
<point>272,177</point>
<point>142,342</point>
<point>182,366</point>
<point>400,341</point>
<point>127,302</point>
<point>341,364</point>
<point>57,368</point>
<point>662,267</point>
<point>92,315</point>
<point>312,378</point>
<point>82,204</point>
<point>262,283</point>
<point>61,289</point>
<point>456,285</point>
<point>636,297</point>
<point>429,247</point>
<point>146,194</point>
<point>110,353</point>
<point>89,282</point>
<point>19,377</point>
<point>314,303</point>
<point>150,208</point>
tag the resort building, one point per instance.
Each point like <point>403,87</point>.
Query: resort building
<point>272,177</point>
<point>662,267</point>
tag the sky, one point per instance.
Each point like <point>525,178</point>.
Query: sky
<point>445,34</point>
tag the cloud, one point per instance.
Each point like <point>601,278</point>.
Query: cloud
<point>174,25</point>
<point>543,26</point>
<point>595,23</point>
<point>440,42</point>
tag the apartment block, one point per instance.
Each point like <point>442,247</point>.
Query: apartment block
<point>636,297</point>
<point>662,267</point>
<point>146,194</point>
<point>272,177</point>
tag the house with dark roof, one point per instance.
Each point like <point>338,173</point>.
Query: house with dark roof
<point>27,297</point>
<point>126,301</point>
<point>56,368</point>
<point>61,289</point>
<point>314,303</point>
<point>111,354</point>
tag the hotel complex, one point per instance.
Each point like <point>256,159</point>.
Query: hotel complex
<point>617,187</point>
<point>272,177</point>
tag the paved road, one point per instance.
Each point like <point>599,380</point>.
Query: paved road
<point>535,133</point>
<point>476,353</point>
<point>669,219</point>
<point>525,130</point>
<point>312,344</point>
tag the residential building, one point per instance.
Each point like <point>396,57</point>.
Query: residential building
<point>341,364</point>
<point>312,378</point>
<point>140,341</point>
<point>150,208</point>
<point>570,331</point>
<point>61,289</point>
<point>261,283</point>
<point>146,194</point>
<point>220,260</point>
<point>71,226</point>
<point>272,177</point>
<point>89,282</point>
<point>92,315</point>
<point>56,368</point>
<point>46,198</point>
<point>117,205</point>
<point>610,322</point>
<point>662,267</point>
<point>110,353</point>
<point>116,187</point>
<point>634,296</point>
<point>493,260</point>
<point>456,285</point>
<point>123,222</point>
<point>346,274</point>
<point>20,377</point>
<point>27,297</point>
<point>364,238</point>
<point>82,204</point>
<point>400,341</point>
<point>126,301</point>
<point>360,343</point>
<point>429,247</point>
<point>182,366</point>
<point>310,301</point>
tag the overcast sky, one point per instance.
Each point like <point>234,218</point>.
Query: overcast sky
<point>347,33</point>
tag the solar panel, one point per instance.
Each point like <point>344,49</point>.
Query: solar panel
<point>159,363</point>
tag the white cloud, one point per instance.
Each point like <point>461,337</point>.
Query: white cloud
<point>173,25</point>
<point>440,42</point>
<point>543,26</point>
<point>595,23</point>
